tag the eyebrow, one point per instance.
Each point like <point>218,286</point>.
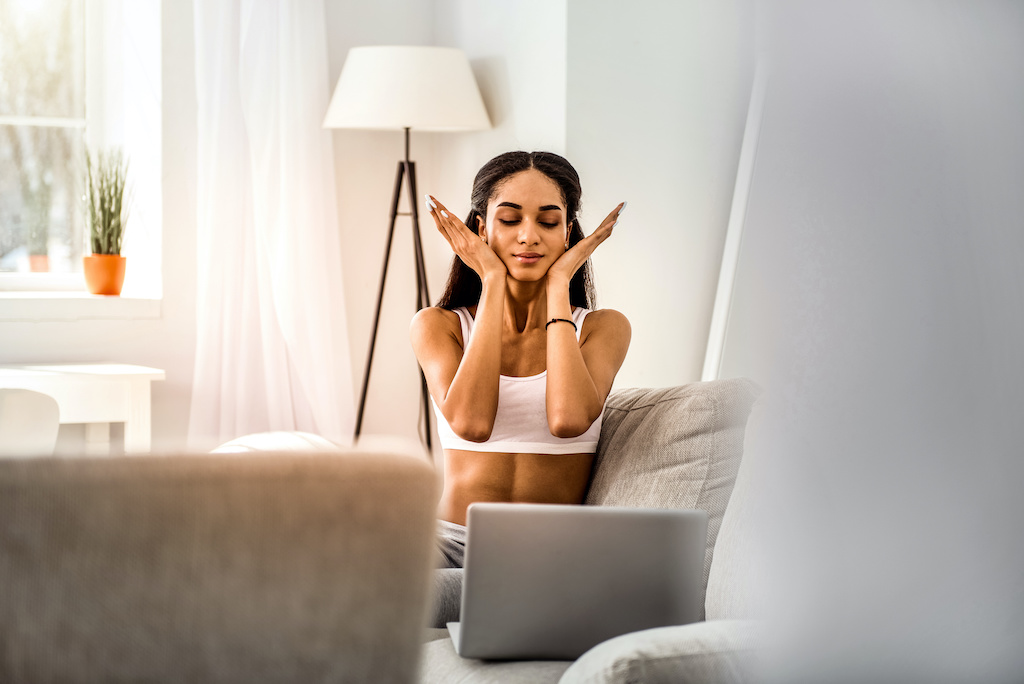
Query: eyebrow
<point>546,207</point>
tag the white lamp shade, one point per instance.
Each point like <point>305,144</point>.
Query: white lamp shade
<point>396,87</point>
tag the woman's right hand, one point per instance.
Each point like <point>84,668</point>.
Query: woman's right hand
<point>466,244</point>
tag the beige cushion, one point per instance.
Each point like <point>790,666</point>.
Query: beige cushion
<point>701,653</point>
<point>263,567</point>
<point>675,447</point>
<point>442,665</point>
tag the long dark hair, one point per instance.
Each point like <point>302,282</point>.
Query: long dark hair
<point>464,287</point>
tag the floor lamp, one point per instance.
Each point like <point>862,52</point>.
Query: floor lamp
<point>405,88</point>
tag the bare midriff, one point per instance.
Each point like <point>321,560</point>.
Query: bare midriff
<point>472,476</point>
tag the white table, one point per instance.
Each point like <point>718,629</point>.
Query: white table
<point>96,394</point>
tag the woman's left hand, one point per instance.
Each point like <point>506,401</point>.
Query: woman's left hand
<point>565,266</point>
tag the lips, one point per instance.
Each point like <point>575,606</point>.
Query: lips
<point>528,257</point>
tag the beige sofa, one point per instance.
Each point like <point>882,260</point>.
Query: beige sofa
<point>677,447</point>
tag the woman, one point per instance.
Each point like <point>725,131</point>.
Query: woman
<point>517,364</point>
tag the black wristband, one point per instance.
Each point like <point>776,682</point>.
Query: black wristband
<point>560,320</point>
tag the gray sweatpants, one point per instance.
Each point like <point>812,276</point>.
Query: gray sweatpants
<point>451,548</point>
<point>451,544</point>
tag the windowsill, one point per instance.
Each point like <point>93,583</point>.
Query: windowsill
<point>33,307</point>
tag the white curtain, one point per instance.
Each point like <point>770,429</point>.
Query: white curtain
<point>271,348</point>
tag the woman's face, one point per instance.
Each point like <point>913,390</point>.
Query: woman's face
<point>526,224</point>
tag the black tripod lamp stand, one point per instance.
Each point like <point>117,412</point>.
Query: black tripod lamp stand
<point>405,88</point>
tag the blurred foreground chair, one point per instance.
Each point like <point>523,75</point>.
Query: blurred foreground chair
<point>28,423</point>
<point>256,567</point>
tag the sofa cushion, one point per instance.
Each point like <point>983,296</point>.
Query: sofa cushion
<point>674,447</point>
<point>442,665</point>
<point>704,652</point>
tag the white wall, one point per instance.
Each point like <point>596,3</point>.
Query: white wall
<point>518,53</point>
<point>657,98</point>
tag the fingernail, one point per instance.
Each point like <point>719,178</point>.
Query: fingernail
<point>430,202</point>
<point>616,223</point>
<point>444,213</point>
<point>622,209</point>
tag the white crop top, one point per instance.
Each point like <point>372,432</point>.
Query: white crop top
<point>521,423</point>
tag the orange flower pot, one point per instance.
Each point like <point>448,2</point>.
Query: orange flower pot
<point>104,273</point>
<point>39,263</point>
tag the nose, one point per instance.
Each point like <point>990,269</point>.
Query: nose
<point>529,234</point>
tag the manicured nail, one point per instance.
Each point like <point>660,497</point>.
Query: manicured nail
<point>444,213</point>
<point>430,202</point>
<point>616,223</point>
<point>622,209</point>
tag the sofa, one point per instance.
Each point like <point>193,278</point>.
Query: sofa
<point>677,447</point>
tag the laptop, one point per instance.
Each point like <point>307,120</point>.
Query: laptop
<point>552,581</point>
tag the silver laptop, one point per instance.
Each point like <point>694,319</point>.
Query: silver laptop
<point>551,582</point>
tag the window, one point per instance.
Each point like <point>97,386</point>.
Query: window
<point>42,135</point>
<point>76,73</point>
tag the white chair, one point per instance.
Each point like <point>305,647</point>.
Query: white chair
<point>28,423</point>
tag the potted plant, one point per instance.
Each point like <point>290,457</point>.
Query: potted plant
<point>105,181</point>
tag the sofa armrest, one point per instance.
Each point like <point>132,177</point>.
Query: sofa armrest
<point>705,652</point>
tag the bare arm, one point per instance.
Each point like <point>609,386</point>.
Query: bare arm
<point>463,378</point>
<point>580,374</point>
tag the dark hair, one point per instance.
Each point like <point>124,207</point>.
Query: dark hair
<point>464,287</point>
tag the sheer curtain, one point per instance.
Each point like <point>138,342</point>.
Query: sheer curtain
<point>271,345</point>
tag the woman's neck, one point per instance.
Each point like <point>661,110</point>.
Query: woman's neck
<point>526,304</point>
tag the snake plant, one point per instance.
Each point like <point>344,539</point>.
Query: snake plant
<point>105,182</point>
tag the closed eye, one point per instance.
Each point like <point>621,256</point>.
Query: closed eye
<point>513,222</point>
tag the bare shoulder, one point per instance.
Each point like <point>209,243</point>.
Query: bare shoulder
<point>607,320</point>
<point>434,321</point>
<point>606,324</point>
